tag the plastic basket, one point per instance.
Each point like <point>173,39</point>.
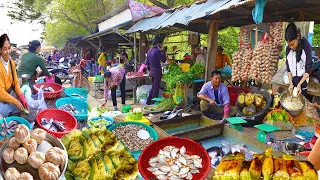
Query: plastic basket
<point>49,95</point>
<point>77,103</point>
<point>105,118</point>
<point>70,122</point>
<point>151,131</point>
<point>192,147</point>
<point>80,93</point>
<point>14,118</point>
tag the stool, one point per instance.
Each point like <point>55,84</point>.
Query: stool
<point>95,88</point>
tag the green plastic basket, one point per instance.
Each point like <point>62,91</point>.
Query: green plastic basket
<point>150,130</point>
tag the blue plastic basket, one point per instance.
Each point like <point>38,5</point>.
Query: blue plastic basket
<point>14,118</point>
<point>77,103</point>
<point>105,118</point>
<point>77,93</point>
<point>151,131</point>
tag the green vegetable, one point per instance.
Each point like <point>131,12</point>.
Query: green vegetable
<point>167,104</point>
<point>197,69</point>
<point>280,118</point>
<point>283,113</point>
<point>286,118</point>
<point>99,123</point>
<point>269,117</point>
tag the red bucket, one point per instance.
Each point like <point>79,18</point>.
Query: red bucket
<point>191,146</point>
<point>234,92</point>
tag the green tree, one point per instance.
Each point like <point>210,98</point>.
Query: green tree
<point>316,35</point>
<point>228,39</point>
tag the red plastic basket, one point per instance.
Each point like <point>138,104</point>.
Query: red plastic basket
<point>234,92</point>
<point>192,147</point>
<point>49,95</point>
<point>70,122</point>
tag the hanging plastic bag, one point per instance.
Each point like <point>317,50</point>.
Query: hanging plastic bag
<point>178,94</point>
<point>36,105</point>
<point>257,12</point>
<point>226,71</point>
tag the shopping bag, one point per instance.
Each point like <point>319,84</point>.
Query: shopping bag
<point>178,94</point>
<point>98,79</point>
<point>36,104</point>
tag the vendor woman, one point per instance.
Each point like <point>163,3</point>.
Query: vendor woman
<point>115,77</point>
<point>215,100</point>
<point>12,100</point>
<point>298,59</point>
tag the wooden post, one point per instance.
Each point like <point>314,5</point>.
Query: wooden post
<point>142,47</point>
<point>212,49</point>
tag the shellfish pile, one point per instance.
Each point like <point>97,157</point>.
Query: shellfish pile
<point>173,163</point>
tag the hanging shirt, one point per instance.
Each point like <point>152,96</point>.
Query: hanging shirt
<point>117,75</point>
<point>223,95</point>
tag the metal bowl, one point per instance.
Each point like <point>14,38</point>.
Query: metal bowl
<point>48,142</point>
<point>293,112</point>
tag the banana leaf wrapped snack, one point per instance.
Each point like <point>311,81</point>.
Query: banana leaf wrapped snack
<point>256,168</point>
<point>280,169</point>
<point>294,170</point>
<point>308,171</point>
<point>245,173</point>
<point>267,165</point>
<point>228,170</point>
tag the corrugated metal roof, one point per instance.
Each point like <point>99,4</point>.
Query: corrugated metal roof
<point>184,15</point>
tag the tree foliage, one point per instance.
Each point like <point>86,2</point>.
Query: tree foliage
<point>316,35</point>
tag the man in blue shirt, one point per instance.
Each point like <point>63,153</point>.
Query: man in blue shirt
<point>215,99</point>
<point>154,58</point>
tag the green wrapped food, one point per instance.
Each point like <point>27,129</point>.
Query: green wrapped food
<point>75,150</point>
<point>228,170</point>
<point>82,170</point>
<point>255,168</point>
<point>307,170</point>
<point>280,169</point>
<point>245,174</point>
<point>267,165</point>
<point>294,170</point>
<point>98,170</point>
<point>72,135</point>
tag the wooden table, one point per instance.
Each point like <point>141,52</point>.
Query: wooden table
<point>134,80</point>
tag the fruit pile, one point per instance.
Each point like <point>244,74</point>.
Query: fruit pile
<point>278,116</point>
<point>251,103</point>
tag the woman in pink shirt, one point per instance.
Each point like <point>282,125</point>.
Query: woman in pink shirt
<point>115,77</point>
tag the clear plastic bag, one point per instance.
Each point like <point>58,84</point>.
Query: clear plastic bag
<point>36,105</point>
<point>143,91</point>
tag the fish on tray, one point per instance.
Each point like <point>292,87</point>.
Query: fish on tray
<point>11,126</point>
<point>53,125</point>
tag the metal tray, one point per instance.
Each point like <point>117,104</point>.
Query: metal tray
<point>48,142</point>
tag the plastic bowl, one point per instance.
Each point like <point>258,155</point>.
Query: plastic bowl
<point>83,93</point>
<point>105,118</point>
<point>151,131</point>
<point>192,147</point>
<point>49,95</point>
<point>77,103</point>
<point>70,122</point>
<point>14,118</point>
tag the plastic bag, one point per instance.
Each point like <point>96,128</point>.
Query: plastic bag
<point>98,79</point>
<point>178,94</point>
<point>143,91</point>
<point>36,104</point>
<point>257,12</point>
<point>226,71</point>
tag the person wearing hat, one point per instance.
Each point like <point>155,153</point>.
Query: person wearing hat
<point>12,100</point>
<point>154,58</point>
<point>222,59</point>
<point>30,61</point>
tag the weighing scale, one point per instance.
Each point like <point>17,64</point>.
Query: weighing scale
<point>235,122</point>
<point>265,134</point>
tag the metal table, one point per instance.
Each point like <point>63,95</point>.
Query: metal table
<point>135,80</point>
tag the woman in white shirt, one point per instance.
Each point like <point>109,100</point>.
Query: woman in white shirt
<point>298,59</point>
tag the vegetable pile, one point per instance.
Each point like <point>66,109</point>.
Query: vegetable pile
<point>175,74</point>
<point>165,105</point>
<point>261,64</point>
<point>278,116</point>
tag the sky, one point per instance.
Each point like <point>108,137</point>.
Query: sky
<point>20,33</point>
